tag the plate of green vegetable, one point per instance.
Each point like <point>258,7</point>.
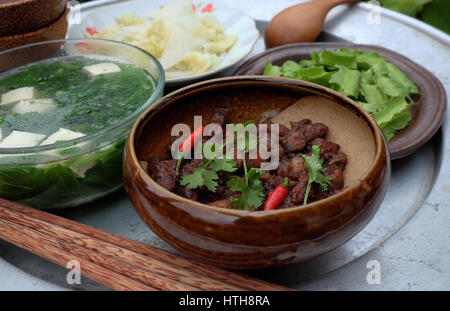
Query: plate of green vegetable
<point>406,100</point>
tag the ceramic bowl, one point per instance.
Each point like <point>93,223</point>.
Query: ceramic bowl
<point>53,31</point>
<point>237,239</point>
<point>36,13</point>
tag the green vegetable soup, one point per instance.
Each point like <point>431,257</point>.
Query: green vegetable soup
<point>82,103</point>
<point>59,100</point>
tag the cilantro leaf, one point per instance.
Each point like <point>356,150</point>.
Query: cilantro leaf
<point>193,180</point>
<point>223,165</point>
<point>252,191</point>
<point>210,177</point>
<point>316,171</point>
<point>206,175</point>
<point>201,177</point>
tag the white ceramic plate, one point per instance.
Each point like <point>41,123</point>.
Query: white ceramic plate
<point>234,21</point>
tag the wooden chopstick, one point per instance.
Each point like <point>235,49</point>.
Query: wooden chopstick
<point>112,260</point>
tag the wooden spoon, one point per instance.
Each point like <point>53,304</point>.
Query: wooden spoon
<point>299,23</point>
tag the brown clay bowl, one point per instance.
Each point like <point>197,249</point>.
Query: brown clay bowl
<point>428,111</point>
<point>22,16</point>
<point>238,239</point>
<point>54,31</point>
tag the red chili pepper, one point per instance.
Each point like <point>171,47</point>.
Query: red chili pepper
<point>208,8</point>
<point>277,196</point>
<point>91,31</point>
<point>190,141</point>
<point>188,144</point>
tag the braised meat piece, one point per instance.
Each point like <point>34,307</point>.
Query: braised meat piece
<point>297,193</point>
<point>219,116</point>
<point>301,133</point>
<point>291,172</point>
<point>297,168</point>
<point>163,171</point>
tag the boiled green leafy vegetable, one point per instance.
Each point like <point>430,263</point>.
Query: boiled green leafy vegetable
<point>378,86</point>
<point>56,185</point>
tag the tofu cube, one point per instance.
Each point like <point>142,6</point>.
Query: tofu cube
<point>34,105</point>
<point>61,135</point>
<point>17,95</point>
<point>18,139</point>
<point>101,69</point>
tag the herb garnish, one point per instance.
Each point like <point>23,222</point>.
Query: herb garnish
<point>316,171</point>
<point>251,188</point>
<point>207,174</point>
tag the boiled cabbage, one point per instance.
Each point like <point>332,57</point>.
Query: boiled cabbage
<point>184,41</point>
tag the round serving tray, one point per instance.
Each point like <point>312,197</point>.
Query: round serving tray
<point>419,187</point>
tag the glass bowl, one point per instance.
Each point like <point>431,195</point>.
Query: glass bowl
<point>72,172</point>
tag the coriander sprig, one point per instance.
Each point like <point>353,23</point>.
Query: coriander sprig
<point>207,174</point>
<point>316,171</point>
<point>251,187</point>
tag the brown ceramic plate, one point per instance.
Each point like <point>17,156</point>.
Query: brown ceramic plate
<point>54,31</point>
<point>428,111</point>
<point>238,239</point>
<point>22,16</point>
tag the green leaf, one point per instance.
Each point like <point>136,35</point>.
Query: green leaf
<point>223,165</point>
<point>347,81</point>
<point>193,180</point>
<point>390,87</point>
<point>392,107</point>
<point>400,121</point>
<point>316,171</point>
<point>367,59</point>
<point>21,182</point>
<point>397,75</point>
<point>436,14</point>
<point>408,7</point>
<point>332,59</point>
<point>290,68</point>
<point>272,70</point>
<point>374,97</point>
<point>207,174</point>
<point>316,74</point>
<point>210,177</point>
<point>252,193</point>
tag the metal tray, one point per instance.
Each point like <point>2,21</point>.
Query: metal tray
<point>420,182</point>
